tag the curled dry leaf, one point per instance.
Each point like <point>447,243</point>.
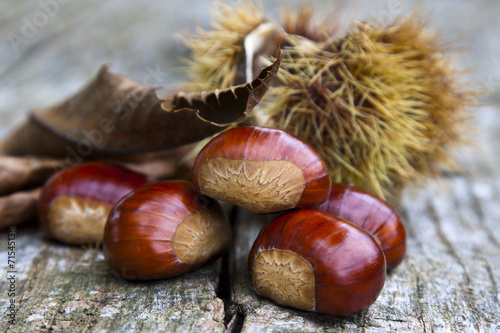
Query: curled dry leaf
<point>114,115</point>
<point>21,179</point>
<point>18,207</point>
<point>21,173</point>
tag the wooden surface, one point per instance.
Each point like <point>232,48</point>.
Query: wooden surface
<point>449,281</point>
<point>70,289</point>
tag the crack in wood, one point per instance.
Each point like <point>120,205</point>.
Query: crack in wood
<point>234,315</point>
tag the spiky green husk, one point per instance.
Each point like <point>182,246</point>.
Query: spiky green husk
<point>217,53</point>
<point>382,105</point>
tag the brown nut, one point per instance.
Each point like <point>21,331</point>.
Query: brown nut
<point>314,261</point>
<point>163,230</point>
<point>261,169</point>
<point>75,201</point>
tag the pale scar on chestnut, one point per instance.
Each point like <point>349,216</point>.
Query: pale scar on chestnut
<point>259,186</point>
<point>284,277</point>
<point>77,220</point>
<point>200,236</point>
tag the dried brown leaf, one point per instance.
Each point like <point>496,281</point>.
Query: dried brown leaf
<point>21,173</point>
<point>114,115</point>
<point>18,207</point>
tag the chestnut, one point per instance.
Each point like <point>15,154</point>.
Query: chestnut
<point>372,214</point>
<point>164,229</point>
<point>262,170</point>
<point>75,202</point>
<point>314,261</point>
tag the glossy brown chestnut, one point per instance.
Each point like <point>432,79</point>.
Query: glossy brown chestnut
<point>261,169</point>
<point>372,214</point>
<point>314,261</point>
<point>164,229</point>
<point>75,201</point>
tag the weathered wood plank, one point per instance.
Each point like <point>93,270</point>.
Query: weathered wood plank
<point>70,289</point>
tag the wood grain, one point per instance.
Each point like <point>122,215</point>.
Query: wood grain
<point>70,289</point>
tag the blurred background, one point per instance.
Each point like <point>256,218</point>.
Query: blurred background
<point>50,48</point>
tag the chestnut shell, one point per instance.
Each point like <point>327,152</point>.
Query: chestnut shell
<point>347,268</point>
<point>141,237</point>
<point>261,169</point>
<point>372,214</point>
<point>98,184</point>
